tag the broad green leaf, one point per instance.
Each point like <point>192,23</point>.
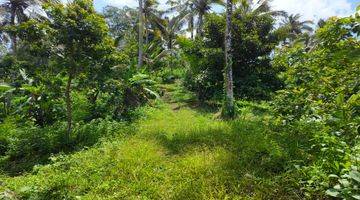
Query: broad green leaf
<point>355,98</point>
<point>340,99</point>
<point>152,93</point>
<point>355,175</point>
<point>333,176</point>
<point>332,192</point>
<point>356,196</point>
<point>344,182</point>
<point>4,87</point>
<point>337,187</point>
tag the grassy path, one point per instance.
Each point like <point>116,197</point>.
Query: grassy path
<point>176,152</point>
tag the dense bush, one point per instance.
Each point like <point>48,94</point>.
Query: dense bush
<point>23,147</point>
<point>67,70</point>
<point>204,73</point>
<point>322,87</point>
<point>80,116</point>
<point>253,40</point>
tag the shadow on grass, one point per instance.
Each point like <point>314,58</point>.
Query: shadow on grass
<point>247,141</point>
<point>179,97</point>
<point>252,163</point>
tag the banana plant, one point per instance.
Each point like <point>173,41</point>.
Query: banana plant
<point>33,95</point>
<point>144,86</point>
<point>5,91</point>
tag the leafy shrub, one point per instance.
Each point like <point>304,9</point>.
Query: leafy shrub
<point>169,75</point>
<point>204,76</point>
<point>348,183</point>
<point>253,41</point>
<point>322,87</point>
<point>24,147</point>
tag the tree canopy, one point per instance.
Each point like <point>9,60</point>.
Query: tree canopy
<point>133,103</point>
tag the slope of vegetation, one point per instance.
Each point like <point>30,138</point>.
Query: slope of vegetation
<point>178,104</point>
<point>199,158</point>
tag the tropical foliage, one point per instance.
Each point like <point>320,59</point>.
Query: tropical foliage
<point>133,103</point>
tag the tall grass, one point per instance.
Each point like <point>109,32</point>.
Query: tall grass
<point>174,154</point>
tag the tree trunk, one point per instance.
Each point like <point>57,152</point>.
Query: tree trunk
<point>170,47</point>
<point>69,104</point>
<point>200,25</point>
<point>169,44</point>
<point>13,35</point>
<point>5,109</point>
<point>228,110</point>
<point>191,26</point>
<point>141,34</point>
<point>147,36</point>
<point>146,29</point>
<point>93,97</point>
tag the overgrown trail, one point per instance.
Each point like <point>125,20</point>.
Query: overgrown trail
<point>175,152</point>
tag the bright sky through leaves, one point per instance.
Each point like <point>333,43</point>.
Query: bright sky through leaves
<point>309,9</point>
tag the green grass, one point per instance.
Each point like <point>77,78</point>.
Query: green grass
<point>174,154</point>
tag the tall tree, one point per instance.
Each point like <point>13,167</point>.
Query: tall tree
<point>201,7</point>
<point>261,7</point>
<point>321,23</point>
<point>150,12</point>
<point>81,39</point>
<point>121,21</point>
<point>141,34</point>
<point>17,11</point>
<point>295,27</point>
<point>191,23</point>
<point>228,110</point>
<point>185,6</point>
<point>194,7</point>
<point>169,28</point>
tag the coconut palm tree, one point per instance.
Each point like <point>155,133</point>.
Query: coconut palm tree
<point>194,8</point>
<point>150,11</point>
<point>261,7</point>
<point>184,6</point>
<point>17,11</point>
<point>321,23</point>
<point>200,8</point>
<point>228,110</point>
<point>4,36</point>
<point>188,7</point>
<point>295,27</point>
<point>310,41</point>
<point>141,33</point>
<point>170,27</point>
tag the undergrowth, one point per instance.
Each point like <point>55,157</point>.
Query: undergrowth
<point>175,153</point>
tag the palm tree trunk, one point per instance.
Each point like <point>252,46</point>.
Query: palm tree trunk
<point>5,108</point>
<point>191,26</point>
<point>141,34</point>
<point>169,44</point>
<point>147,36</point>
<point>146,29</point>
<point>200,25</point>
<point>228,110</point>
<point>69,104</point>
<point>13,35</point>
